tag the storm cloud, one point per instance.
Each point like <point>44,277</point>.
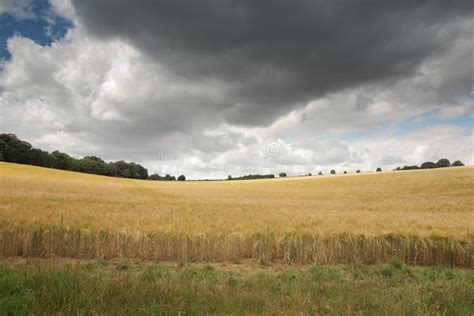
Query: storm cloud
<point>279,55</point>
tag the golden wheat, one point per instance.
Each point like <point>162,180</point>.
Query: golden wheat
<point>421,217</point>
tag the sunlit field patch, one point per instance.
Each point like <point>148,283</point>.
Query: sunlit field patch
<point>420,217</point>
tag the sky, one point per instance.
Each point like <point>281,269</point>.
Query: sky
<point>218,87</point>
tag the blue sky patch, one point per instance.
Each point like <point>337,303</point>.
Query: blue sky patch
<point>409,126</point>
<point>44,28</point>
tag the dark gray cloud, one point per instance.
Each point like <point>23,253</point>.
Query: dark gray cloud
<point>278,55</point>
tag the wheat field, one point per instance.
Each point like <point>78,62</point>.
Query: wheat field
<point>421,217</point>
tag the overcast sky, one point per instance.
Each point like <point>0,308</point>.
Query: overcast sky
<point>211,88</point>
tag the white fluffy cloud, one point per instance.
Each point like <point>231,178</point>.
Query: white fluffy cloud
<point>90,96</point>
<point>20,9</point>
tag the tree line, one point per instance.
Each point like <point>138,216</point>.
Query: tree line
<point>13,149</point>
<point>167,177</point>
<point>254,176</point>
<point>442,163</point>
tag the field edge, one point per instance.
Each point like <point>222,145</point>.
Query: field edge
<point>302,249</point>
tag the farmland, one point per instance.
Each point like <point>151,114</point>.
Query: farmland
<point>381,243</point>
<point>420,217</point>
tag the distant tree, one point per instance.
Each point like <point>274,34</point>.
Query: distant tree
<point>358,171</point>
<point>345,172</point>
<point>333,171</point>
<point>282,174</point>
<point>457,163</point>
<point>38,157</point>
<point>64,161</point>
<point>94,158</point>
<point>398,168</point>
<point>167,177</point>
<point>126,173</point>
<point>92,165</point>
<point>111,170</point>
<point>182,178</point>
<point>15,150</point>
<point>3,146</point>
<point>320,173</point>
<point>443,163</point>
<point>255,176</point>
<point>309,174</point>
<point>428,165</point>
<point>410,167</point>
<point>137,171</point>
<point>229,177</point>
<point>378,169</point>
<point>154,176</point>
<point>122,169</point>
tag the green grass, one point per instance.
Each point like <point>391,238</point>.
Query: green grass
<point>104,287</point>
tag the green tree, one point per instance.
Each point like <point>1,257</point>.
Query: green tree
<point>428,165</point>
<point>443,163</point>
<point>457,163</point>
<point>154,176</point>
